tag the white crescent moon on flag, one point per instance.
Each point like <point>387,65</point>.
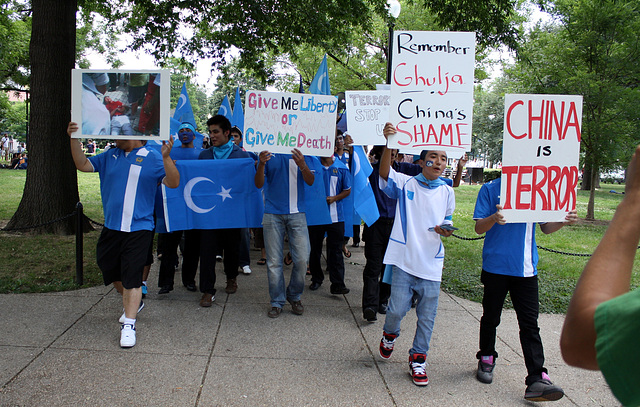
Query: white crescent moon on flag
<point>320,79</point>
<point>182,100</point>
<point>187,195</point>
<point>223,110</point>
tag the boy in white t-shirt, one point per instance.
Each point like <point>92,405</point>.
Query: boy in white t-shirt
<point>415,250</point>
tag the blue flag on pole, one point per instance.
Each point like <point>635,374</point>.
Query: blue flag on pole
<point>238,114</point>
<point>184,111</point>
<point>213,194</point>
<point>225,108</point>
<point>320,83</point>
<point>363,198</point>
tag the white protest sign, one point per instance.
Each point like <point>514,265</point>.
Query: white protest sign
<point>432,91</point>
<point>367,113</point>
<point>541,147</point>
<point>279,122</point>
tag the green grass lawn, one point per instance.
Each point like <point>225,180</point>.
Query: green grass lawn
<point>47,263</point>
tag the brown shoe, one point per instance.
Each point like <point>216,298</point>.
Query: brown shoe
<point>274,312</point>
<point>296,307</point>
<point>232,286</point>
<point>206,300</point>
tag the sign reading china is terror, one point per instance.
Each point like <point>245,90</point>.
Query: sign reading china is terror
<point>541,146</point>
<point>279,122</point>
<point>432,91</point>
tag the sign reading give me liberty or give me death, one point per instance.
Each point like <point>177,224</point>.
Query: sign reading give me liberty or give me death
<point>279,122</point>
<point>541,147</point>
<point>432,91</point>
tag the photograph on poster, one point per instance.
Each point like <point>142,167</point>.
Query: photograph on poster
<point>121,104</point>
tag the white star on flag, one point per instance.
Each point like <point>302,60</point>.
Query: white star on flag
<point>224,193</point>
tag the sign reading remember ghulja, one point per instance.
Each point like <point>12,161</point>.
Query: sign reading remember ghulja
<point>432,90</point>
<point>279,122</point>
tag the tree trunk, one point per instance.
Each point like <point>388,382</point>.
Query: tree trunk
<point>592,196</point>
<point>51,187</point>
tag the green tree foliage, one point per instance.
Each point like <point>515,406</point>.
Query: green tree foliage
<point>488,119</point>
<point>15,33</point>
<point>590,49</point>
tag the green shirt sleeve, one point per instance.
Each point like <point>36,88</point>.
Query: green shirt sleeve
<point>617,324</point>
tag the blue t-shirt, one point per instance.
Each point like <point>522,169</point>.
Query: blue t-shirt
<point>344,158</point>
<point>336,179</point>
<point>284,186</point>
<point>128,184</point>
<point>508,249</point>
<point>184,153</point>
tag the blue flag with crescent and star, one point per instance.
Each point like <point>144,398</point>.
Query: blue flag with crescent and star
<point>225,108</point>
<point>213,194</point>
<point>320,83</point>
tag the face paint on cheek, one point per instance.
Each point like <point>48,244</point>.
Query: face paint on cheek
<point>428,163</point>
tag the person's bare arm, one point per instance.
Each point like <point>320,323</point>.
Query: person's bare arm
<point>483,225</point>
<point>551,227</point>
<point>258,179</point>
<point>345,193</point>
<point>385,159</point>
<point>307,175</point>
<point>606,275</point>
<point>461,163</point>
<point>80,160</point>
<point>172,176</point>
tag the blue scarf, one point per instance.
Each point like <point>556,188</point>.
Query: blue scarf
<point>223,152</point>
<point>431,184</point>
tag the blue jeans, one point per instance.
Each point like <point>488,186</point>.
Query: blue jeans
<point>274,228</point>
<point>403,287</point>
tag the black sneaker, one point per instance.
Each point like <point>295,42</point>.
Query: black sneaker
<point>386,345</point>
<point>543,390</point>
<point>369,314</point>
<point>485,369</point>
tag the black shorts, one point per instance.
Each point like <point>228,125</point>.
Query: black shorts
<point>122,256</point>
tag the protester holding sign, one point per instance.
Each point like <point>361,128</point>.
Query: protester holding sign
<point>337,184</point>
<point>602,327</point>
<point>415,252</point>
<point>509,259</point>
<point>285,212</point>
<point>129,176</point>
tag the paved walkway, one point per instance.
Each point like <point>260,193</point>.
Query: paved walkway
<point>63,349</point>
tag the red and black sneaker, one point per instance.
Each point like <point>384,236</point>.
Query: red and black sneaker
<point>418,367</point>
<point>386,345</point>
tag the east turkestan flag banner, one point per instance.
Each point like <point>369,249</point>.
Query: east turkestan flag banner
<point>213,194</point>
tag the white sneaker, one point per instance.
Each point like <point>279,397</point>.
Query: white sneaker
<point>127,336</point>
<point>246,270</point>
<point>121,320</point>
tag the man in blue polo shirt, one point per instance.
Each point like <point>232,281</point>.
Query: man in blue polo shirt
<point>215,241</point>
<point>337,183</point>
<point>129,176</point>
<point>509,259</point>
<point>284,211</point>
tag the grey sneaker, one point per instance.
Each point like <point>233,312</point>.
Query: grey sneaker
<point>485,369</point>
<point>543,390</point>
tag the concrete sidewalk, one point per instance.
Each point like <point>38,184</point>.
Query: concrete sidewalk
<point>63,350</point>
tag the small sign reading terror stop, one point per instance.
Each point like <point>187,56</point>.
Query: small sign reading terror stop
<point>541,146</point>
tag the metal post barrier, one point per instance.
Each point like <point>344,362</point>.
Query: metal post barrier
<point>79,244</point>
